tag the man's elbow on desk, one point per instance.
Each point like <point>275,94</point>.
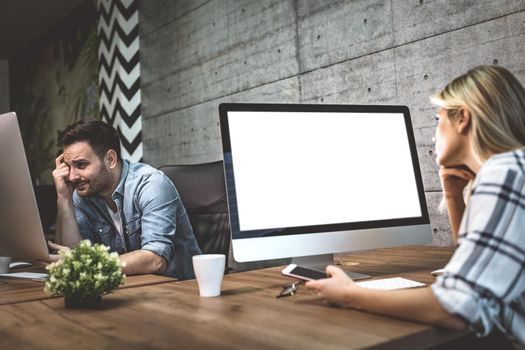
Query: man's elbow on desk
<point>140,262</point>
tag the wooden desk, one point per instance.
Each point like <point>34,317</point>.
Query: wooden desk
<point>16,290</point>
<point>246,316</point>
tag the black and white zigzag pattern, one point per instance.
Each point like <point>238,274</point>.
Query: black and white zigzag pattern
<point>119,72</point>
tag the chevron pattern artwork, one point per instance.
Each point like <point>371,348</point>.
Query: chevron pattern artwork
<point>119,72</point>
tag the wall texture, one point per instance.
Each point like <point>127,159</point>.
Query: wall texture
<point>4,86</point>
<point>198,54</point>
<point>53,83</point>
<point>119,72</point>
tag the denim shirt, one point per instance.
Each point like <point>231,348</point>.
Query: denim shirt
<point>152,216</point>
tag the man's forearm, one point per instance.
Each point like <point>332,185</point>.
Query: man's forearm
<point>67,232</point>
<point>139,262</point>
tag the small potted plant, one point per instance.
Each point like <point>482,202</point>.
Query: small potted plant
<point>84,274</point>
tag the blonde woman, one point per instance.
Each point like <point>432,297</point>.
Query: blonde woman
<point>480,138</point>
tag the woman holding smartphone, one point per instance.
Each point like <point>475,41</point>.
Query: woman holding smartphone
<point>480,146</point>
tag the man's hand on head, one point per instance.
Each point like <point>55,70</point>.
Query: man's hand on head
<point>63,186</point>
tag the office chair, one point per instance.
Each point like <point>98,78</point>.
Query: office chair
<point>46,200</point>
<point>203,193</point>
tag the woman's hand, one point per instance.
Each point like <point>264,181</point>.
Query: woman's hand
<point>335,288</point>
<point>454,180</point>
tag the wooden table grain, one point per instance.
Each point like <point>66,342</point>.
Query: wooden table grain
<point>16,290</point>
<point>246,316</point>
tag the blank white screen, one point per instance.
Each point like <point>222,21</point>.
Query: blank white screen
<point>308,168</point>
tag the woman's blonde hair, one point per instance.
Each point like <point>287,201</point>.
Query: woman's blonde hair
<point>496,101</point>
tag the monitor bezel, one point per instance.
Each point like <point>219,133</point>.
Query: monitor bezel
<point>21,234</point>
<point>237,234</point>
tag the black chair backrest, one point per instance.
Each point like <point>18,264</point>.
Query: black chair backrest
<point>203,193</point>
<point>46,200</point>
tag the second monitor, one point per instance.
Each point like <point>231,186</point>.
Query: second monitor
<point>312,180</point>
<point>21,233</point>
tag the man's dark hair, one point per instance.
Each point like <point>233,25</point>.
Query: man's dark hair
<point>99,135</point>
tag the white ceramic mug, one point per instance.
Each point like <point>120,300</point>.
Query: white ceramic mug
<point>4,264</point>
<point>209,270</point>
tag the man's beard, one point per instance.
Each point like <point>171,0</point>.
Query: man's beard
<point>96,185</point>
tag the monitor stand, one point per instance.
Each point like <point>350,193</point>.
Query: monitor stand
<point>319,263</point>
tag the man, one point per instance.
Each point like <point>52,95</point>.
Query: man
<point>130,207</point>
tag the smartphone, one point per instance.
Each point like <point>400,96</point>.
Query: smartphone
<point>303,273</point>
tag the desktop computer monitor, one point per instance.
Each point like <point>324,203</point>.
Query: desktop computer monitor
<point>21,233</point>
<point>312,180</point>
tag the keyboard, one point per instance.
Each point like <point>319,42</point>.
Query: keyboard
<point>37,276</point>
<point>390,283</point>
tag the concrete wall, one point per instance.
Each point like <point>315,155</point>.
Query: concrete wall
<point>53,83</point>
<point>198,54</point>
<point>4,86</point>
